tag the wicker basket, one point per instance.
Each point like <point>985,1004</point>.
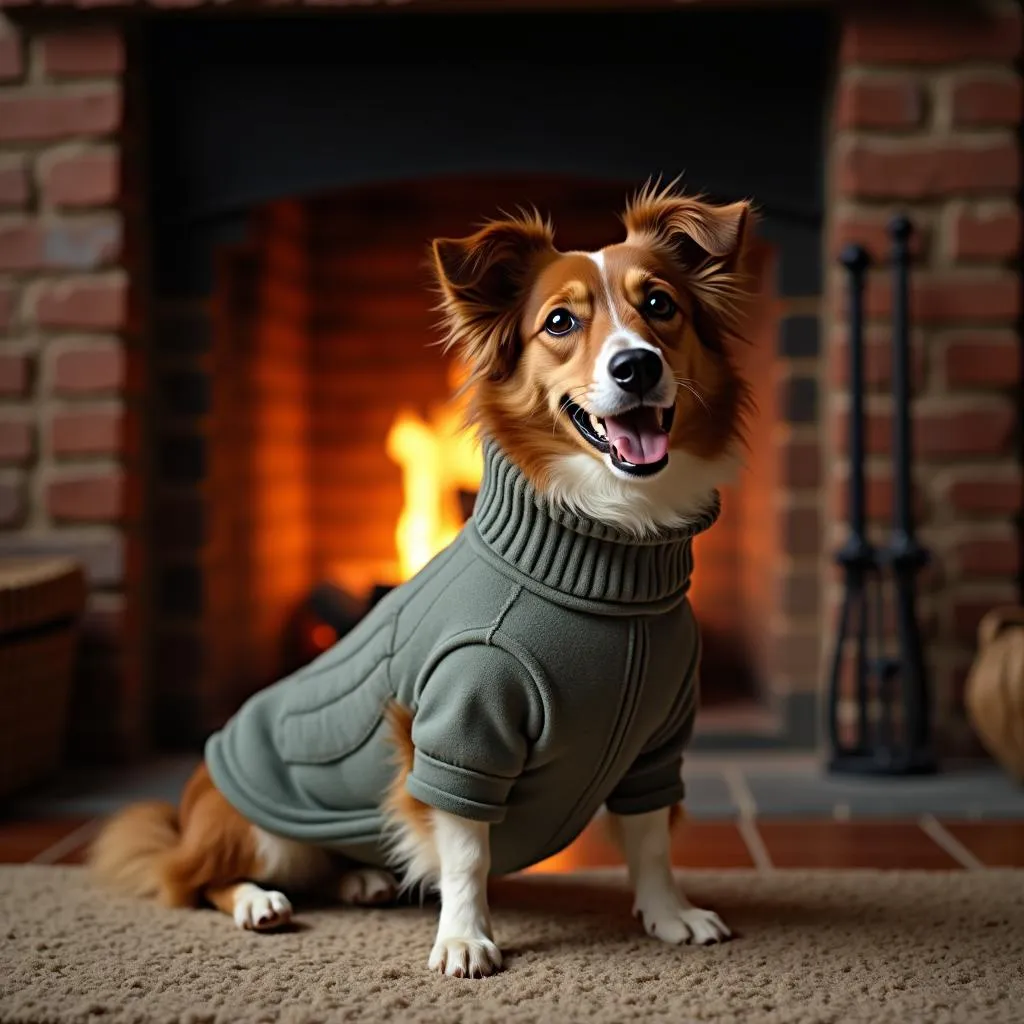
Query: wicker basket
<point>41,601</point>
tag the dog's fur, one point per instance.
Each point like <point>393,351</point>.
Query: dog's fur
<point>498,288</point>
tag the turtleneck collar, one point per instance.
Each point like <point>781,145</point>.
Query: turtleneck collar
<point>574,556</point>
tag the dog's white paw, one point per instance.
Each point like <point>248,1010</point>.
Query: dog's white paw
<point>363,887</point>
<point>259,910</point>
<point>465,957</point>
<point>680,924</point>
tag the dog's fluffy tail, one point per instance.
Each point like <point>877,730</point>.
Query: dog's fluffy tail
<point>132,850</point>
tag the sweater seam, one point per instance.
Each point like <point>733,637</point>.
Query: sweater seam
<point>395,651</point>
<point>500,617</point>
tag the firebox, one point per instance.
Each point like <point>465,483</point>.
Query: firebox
<point>305,434</point>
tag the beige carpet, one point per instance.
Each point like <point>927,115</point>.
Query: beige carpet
<point>835,947</point>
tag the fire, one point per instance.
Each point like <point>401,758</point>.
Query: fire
<point>439,457</point>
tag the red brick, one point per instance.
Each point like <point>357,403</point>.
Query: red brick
<point>8,294</point>
<point>989,556</point>
<point>986,235</point>
<point>924,169</point>
<point>12,502</point>
<point>95,303</point>
<point>987,99</point>
<point>17,440</point>
<point>981,491</point>
<point>986,429</point>
<point>21,245</point>
<point>972,362</point>
<point>800,464</point>
<point>90,178</point>
<point>872,232</point>
<point>800,531</point>
<point>12,60</point>
<point>34,116</point>
<point>91,370</point>
<point>795,653</point>
<point>14,191</point>
<point>900,37</point>
<point>15,370</point>
<point>882,102</point>
<point>93,432</point>
<point>83,52</point>
<point>800,593</point>
<point>95,498</point>
<point>878,497</point>
<point>877,363</point>
<point>949,296</point>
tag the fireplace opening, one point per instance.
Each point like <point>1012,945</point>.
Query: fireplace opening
<point>341,459</point>
<point>307,454</point>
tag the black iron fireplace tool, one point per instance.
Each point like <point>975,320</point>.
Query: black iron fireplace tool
<point>891,729</point>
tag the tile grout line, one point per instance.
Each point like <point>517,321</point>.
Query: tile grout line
<point>747,828</point>
<point>942,837</point>
<point>740,792</point>
<point>68,844</point>
<point>746,825</point>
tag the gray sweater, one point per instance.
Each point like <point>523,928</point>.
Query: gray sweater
<point>551,664</point>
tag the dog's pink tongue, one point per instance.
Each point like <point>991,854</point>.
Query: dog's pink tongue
<point>637,436</point>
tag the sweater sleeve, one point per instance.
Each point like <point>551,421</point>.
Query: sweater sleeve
<point>476,717</point>
<point>655,778</point>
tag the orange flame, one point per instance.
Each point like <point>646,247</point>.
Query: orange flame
<point>439,457</point>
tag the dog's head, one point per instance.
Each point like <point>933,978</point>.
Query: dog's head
<point>613,363</point>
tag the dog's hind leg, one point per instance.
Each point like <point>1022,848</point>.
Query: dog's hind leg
<point>366,886</point>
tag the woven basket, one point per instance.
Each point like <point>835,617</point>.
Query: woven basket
<point>41,602</point>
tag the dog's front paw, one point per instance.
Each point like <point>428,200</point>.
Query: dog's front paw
<point>459,957</point>
<point>680,924</point>
<point>259,910</point>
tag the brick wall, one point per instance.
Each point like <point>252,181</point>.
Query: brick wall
<point>70,348</point>
<point>926,112</point>
<point>927,116</point>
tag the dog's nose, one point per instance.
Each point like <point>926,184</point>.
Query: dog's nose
<point>635,370</point>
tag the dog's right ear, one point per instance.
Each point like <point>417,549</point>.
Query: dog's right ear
<point>484,280</point>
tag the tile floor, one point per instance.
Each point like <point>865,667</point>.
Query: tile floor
<point>744,812</point>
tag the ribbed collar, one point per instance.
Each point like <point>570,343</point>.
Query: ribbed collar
<point>573,555</point>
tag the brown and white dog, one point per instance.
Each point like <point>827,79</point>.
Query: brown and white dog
<point>607,378</point>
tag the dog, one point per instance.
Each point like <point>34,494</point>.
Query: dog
<point>543,666</point>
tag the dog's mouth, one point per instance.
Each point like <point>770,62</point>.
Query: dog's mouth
<point>636,441</point>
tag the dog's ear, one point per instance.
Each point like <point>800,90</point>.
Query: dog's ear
<point>712,244</point>
<point>484,280</point>
<point>699,235</point>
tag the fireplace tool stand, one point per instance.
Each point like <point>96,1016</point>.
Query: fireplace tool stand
<point>891,729</point>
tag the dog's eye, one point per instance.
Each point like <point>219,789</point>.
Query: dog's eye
<point>659,305</point>
<point>559,322</point>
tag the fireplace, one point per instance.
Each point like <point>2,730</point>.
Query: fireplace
<point>212,273</point>
<point>316,385</point>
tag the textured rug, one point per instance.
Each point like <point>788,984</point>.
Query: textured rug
<point>845,947</point>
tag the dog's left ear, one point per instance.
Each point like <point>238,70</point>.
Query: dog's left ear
<point>698,234</point>
<point>484,280</point>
